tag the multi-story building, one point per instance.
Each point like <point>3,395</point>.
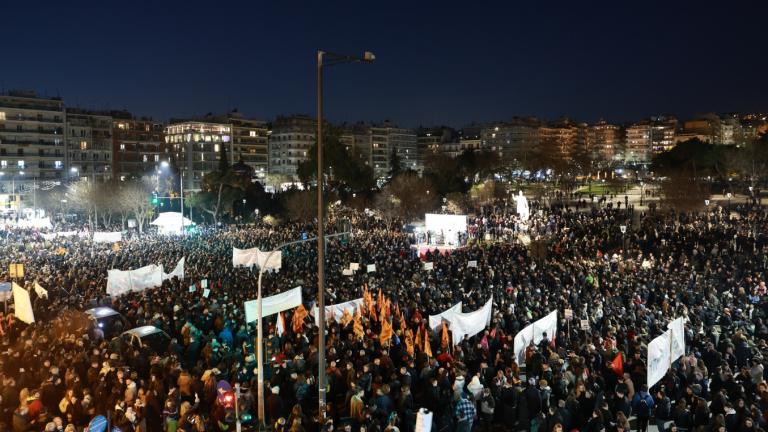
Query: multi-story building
<point>138,146</point>
<point>470,138</point>
<point>32,138</point>
<point>387,138</point>
<point>558,139</point>
<point>513,140</point>
<point>196,148</point>
<point>289,143</point>
<point>89,144</point>
<point>605,141</point>
<point>356,139</point>
<point>249,141</point>
<point>648,138</point>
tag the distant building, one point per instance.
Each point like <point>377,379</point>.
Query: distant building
<point>648,138</point>
<point>138,146</point>
<point>196,147</point>
<point>89,144</point>
<point>289,143</point>
<point>558,138</point>
<point>513,140</point>
<point>387,138</point>
<point>470,138</point>
<point>356,139</point>
<point>605,142</point>
<point>249,141</point>
<point>32,138</point>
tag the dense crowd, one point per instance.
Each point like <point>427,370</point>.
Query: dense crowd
<point>709,268</point>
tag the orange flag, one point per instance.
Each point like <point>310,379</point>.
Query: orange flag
<point>617,365</point>
<point>418,338</point>
<point>409,342</point>
<point>346,318</point>
<point>402,322</point>
<point>384,311</point>
<point>427,346</point>
<point>358,325</point>
<point>444,340</point>
<point>397,309</point>
<point>379,299</point>
<point>298,318</point>
<point>386,332</point>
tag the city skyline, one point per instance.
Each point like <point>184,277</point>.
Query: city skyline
<point>492,63</point>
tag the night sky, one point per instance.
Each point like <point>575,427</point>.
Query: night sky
<point>437,62</point>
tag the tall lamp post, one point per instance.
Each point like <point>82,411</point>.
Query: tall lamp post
<point>325,59</point>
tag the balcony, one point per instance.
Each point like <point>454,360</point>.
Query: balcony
<point>58,131</point>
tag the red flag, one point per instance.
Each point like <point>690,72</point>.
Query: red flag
<point>617,365</point>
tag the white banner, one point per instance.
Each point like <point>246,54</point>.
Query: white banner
<point>423,420</point>
<point>107,237</point>
<point>337,310</point>
<point>658,358</point>
<point>178,271</point>
<point>120,282</point>
<point>435,321</point>
<point>354,266</point>
<point>677,334</point>
<point>272,304</point>
<point>40,291</point>
<point>245,257</point>
<point>275,259</point>
<point>535,333</point>
<point>471,323</point>
<point>429,266</point>
<point>371,268</point>
<point>22,305</point>
<point>52,236</point>
<point>35,223</point>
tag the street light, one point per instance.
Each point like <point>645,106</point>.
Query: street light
<point>332,59</point>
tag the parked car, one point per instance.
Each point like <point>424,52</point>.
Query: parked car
<point>146,337</point>
<point>110,321</point>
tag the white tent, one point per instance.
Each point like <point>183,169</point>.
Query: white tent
<point>171,222</point>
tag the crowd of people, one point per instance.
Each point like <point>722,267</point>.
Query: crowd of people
<point>709,268</point>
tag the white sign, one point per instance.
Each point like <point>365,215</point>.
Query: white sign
<point>347,272</point>
<point>423,420</point>
<point>448,224</point>
<point>568,313</point>
<point>658,358</point>
<point>192,288</point>
<point>272,304</point>
<point>22,304</point>
<point>206,292</point>
<point>472,263</point>
<point>435,321</point>
<point>132,223</point>
<point>584,324</point>
<point>204,283</point>
<point>354,266</point>
<point>429,266</point>
<point>535,333</point>
<point>677,334</point>
<point>371,268</point>
<point>40,291</point>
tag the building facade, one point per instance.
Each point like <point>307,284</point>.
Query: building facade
<point>89,144</point>
<point>32,138</point>
<point>387,138</point>
<point>290,140</point>
<point>138,146</point>
<point>196,148</point>
<point>514,141</point>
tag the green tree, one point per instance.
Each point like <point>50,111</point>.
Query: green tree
<point>341,167</point>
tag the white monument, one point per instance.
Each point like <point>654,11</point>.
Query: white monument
<point>522,206</point>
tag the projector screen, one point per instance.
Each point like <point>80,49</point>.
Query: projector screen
<point>445,223</point>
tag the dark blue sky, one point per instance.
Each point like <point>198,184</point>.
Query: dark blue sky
<point>437,62</point>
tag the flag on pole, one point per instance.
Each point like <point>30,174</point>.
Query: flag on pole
<point>386,332</point>
<point>380,298</point>
<point>280,324</point>
<point>298,318</point>
<point>427,346</point>
<point>444,339</point>
<point>419,342</point>
<point>403,325</point>
<point>346,318</point>
<point>409,342</point>
<point>617,365</point>
<point>357,328</point>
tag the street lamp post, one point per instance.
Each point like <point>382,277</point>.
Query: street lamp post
<point>259,332</point>
<point>333,59</point>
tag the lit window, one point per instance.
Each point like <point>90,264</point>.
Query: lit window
<point>253,133</point>
<point>216,147</point>
<point>157,158</point>
<point>58,165</point>
<point>202,157</point>
<point>21,164</point>
<point>122,178</point>
<point>83,145</point>
<point>2,115</point>
<point>122,146</point>
<point>225,138</point>
<point>144,158</point>
<point>4,164</point>
<point>208,138</point>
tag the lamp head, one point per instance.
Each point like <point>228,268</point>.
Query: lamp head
<point>369,57</point>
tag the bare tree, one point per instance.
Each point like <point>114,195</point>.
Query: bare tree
<point>136,197</point>
<point>301,205</point>
<point>80,195</point>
